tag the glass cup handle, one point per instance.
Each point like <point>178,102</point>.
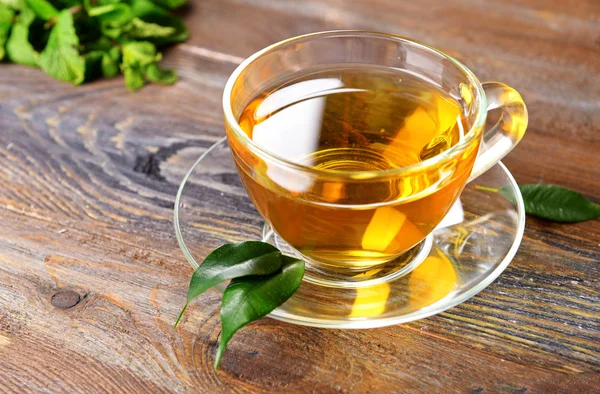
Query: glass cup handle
<point>507,132</point>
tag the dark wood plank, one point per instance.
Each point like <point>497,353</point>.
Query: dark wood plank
<point>88,177</point>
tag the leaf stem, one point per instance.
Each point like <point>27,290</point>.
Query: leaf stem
<point>219,356</point>
<point>180,315</point>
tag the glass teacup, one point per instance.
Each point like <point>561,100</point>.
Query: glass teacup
<point>389,187</point>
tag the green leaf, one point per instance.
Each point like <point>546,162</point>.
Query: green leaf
<point>112,31</point>
<point>134,79</point>
<point>6,21</point>
<point>139,64</point>
<point>232,261</point>
<point>250,298</point>
<point>140,53</point>
<point>151,13</point>
<point>87,4</point>
<point>43,9</point>
<point>556,203</point>
<point>145,30</point>
<point>60,4</point>
<point>102,44</point>
<point>117,14</point>
<point>169,3</point>
<point>137,55</point>
<point>114,19</point>
<point>18,47</point>
<point>158,75</point>
<point>14,4</point>
<point>61,59</point>
<point>93,62</point>
<point>88,30</point>
<point>110,62</point>
<point>102,59</point>
<point>106,2</point>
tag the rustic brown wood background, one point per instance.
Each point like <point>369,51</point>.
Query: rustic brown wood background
<point>91,278</point>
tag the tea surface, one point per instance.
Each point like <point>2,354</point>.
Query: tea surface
<point>354,119</point>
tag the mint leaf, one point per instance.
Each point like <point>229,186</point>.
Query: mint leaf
<point>93,62</point>
<point>14,4</point>
<point>87,4</point>
<point>119,13</point>
<point>136,56</point>
<point>18,47</point>
<point>158,75</point>
<point>169,3</point>
<point>102,59</point>
<point>102,44</point>
<point>43,9</point>
<point>140,63</point>
<point>106,2</point>
<point>60,4</point>
<point>118,20</point>
<point>146,30</point>
<point>80,40</point>
<point>140,53</point>
<point>6,21</point>
<point>151,13</point>
<point>61,59</point>
<point>250,298</point>
<point>114,19</point>
<point>110,62</point>
<point>134,78</point>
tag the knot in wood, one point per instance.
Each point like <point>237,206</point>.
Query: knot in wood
<point>65,299</point>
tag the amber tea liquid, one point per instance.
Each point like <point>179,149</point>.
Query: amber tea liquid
<point>350,120</point>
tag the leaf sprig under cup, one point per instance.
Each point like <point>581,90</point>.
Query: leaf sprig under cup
<point>262,280</point>
<point>80,40</point>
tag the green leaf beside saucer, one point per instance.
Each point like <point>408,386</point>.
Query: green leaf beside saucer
<point>556,203</point>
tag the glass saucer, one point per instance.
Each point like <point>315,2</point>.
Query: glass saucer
<point>469,249</point>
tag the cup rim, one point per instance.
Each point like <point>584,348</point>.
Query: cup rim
<point>371,174</point>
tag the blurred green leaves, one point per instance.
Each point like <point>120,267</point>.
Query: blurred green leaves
<point>6,21</point>
<point>81,40</point>
<point>18,47</point>
<point>42,9</point>
<point>61,59</point>
<point>139,65</point>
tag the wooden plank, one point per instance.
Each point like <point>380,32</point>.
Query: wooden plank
<point>88,177</point>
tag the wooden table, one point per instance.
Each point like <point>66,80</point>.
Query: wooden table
<point>91,278</point>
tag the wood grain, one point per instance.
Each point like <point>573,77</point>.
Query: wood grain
<point>91,278</point>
